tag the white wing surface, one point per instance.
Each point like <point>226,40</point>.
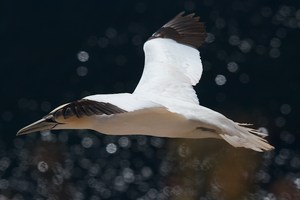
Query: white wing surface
<point>172,61</point>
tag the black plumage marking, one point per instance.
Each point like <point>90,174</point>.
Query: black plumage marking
<point>186,30</point>
<point>85,107</point>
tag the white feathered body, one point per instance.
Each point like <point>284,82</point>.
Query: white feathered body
<point>172,119</point>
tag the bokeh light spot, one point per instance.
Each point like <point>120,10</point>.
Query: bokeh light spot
<point>274,53</point>
<point>244,78</point>
<point>232,67</point>
<point>111,33</point>
<point>220,79</point>
<point>124,142</point>
<point>82,71</point>
<point>87,142</point>
<point>42,166</point>
<point>285,109</point>
<point>111,148</point>
<point>210,38</point>
<point>83,56</point>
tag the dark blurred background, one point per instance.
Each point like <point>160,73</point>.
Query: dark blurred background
<point>54,52</point>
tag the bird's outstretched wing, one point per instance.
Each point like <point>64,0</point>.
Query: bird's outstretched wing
<point>172,61</point>
<point>85,107</point>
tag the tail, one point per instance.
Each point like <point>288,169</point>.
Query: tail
<point>247,137</point>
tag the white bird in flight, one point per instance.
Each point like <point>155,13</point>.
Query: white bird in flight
<point>164,103</point>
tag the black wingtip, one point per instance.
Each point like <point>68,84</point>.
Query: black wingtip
<point>184,29</point>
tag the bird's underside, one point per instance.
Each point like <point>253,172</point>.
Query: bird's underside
<point>164,104</point>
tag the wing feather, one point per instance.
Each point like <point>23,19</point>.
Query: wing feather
<point>85,107</point>
<point>172,62</point>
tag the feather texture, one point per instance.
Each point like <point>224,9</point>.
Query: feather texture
<point>85,107</point>
<point>186,30</point>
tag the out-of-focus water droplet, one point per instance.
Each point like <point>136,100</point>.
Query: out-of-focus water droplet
<point>220,23</point>
<point>42,166</point>
<point>280,122</point>
<point>184,150</point>
<point>87,142</point>
<point>220,79</point>
<point>83,56</point>
<point>275,42</point>
<point>281,32</point>
<point>266,11</point>
<point>206,65</point>
<point>263,176</point>
<point>210,38</point>
<point>284,154</point>
<point>103,42</point>
<point>85,163</point>
<point>234,40</point>
<point>111,148</point>
<point>18,143</point>
<point>57,179</point>
<point>111,32</point>
<point>270,196</point>
<point>94,197</point>
<point>124,142</point>
<point>142,140</point>
<point>82,71</point>
<point>63,137</point>
<point>92,41</point>
<point>78,195</point>
<point>105,193</point>
<point>4,163</point>
<point>285,109</point>
<point>297,183</point>
<point>287,137</point>
<point>4,184</point>
<point>157,142</point>
<point>245,46</point>
<point>119,183</point>
<point>165,169</point>
<point>47,136</point>
<point>45,133</point>
<point>152,193</point>
<point>94,170</point>
<point>232,67</point>
<point>128,175</point>
<point>297,14</point>
<point>263,130</point>
<point>285,10</point>
<point>244,78</point>
<point>146,172</point>
<point>274,53</point>
<point>295,162</point>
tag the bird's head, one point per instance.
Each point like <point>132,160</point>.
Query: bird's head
<point>59,118</point>
<point>79,114</point>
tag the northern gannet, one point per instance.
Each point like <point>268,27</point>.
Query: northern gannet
<point>164,103</point>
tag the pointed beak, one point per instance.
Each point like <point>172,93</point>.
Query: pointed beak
<point>41,125</point>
